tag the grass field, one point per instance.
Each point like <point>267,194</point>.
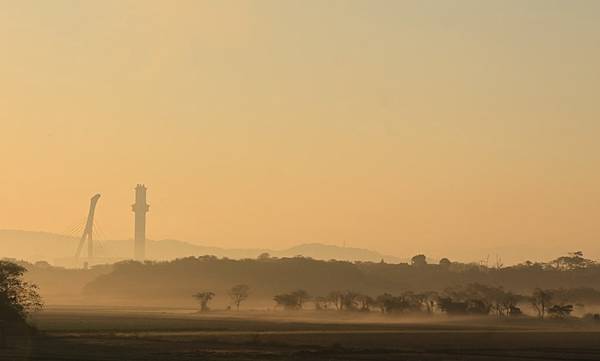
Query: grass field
<point>144,334</point>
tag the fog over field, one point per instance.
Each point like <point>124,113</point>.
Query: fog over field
<point>300,180</point>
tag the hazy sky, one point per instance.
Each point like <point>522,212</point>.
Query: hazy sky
<point>445,127</point>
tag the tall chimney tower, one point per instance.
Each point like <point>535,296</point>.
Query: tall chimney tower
<point>140,208</point>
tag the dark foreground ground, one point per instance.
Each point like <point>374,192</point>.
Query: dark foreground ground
<point>102,334</point>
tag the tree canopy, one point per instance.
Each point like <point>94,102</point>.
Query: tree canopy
<point>239,294</point>
<point>17,297</point>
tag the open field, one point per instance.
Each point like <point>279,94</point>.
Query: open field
<point>134,334</point>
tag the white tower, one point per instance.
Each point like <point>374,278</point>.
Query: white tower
<point>140,208</point>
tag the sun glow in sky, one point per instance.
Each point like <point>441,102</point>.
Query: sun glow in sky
<point>444,127</point>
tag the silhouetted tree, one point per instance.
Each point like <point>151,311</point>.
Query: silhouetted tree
<point>337,299</point>
<point>452,307</point>
<point>239,294</point>
<point>17,297</point>
<point>365,302</point>
<point>560,311</point>
<point>408,302</point>
<point>573,261</point>
<point>302,297</point>
<point>508,303</point>
<point>204,298</point>
<point>287,301</point>
<point>476,298</point>
<point>427,300</point>
<point>321,303</point>
<point>477,307</point>
<point>413,302</point>
<point>350,300</point>
<point>515,311</point>
<point>540,300</point>
<point>292,301</point>
<point>383,301</point>
<point>419,260</point>
<point>445,263</point>
<point>264,256</point>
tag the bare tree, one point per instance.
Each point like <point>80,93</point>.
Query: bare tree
<point>239,294</point>
<point>540,300</point>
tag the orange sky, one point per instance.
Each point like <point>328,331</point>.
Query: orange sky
<point>450,128</point>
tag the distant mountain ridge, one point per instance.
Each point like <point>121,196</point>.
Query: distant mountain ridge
<point>35,246</point>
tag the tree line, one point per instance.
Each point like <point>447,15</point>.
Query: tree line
<point>269,275</point>
<point>473,299</point>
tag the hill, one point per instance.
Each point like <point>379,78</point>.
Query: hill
<point>43,246</point>
<point>36,246</point>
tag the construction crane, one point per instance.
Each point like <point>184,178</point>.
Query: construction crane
<point>88,230</point>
